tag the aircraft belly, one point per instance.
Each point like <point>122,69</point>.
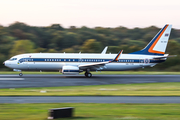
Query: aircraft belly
<point>58,66</point>
<point>42,66</point>
<point>121,66</point>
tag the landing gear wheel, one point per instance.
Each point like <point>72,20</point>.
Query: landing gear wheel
<point>86,74</point>
<point>89,75</point>
<point>20,74</point>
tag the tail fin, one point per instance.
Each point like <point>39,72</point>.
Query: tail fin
<point>157,46</point>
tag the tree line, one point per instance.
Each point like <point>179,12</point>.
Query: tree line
<point>18,38</point>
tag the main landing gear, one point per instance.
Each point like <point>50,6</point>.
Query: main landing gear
<point>88,74</point>
<point>20,74</point>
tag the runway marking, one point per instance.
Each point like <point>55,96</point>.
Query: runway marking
<point>11,78</point>
<point>9,75</point>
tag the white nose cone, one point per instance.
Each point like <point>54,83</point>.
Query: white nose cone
<point>7,63</point>
<point>4,63</point>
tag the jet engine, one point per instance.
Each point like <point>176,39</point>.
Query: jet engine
<point>70,70</point>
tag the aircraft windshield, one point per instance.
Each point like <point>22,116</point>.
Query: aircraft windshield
<point>11,59</point>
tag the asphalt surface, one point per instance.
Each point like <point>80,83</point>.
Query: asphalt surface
<point>14,81</point>
<point>92,99</point>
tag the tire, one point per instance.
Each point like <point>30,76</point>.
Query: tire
<point>20,74</point>
<point>89,75</point>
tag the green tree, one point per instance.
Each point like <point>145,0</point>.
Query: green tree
<point>57,40</point>
<point>68,50</point>
<point>40,50</point>
<point>173,47</point>
<point>52,51</point>
<point>69,39</point>
<point>6,44</point>
<point>2,59</point>
<point>22,46</point>
<point>91,46</point>
<point>57,27</point>
<point>113,49</point>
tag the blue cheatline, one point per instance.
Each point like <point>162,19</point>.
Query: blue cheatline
<point>85,60</point>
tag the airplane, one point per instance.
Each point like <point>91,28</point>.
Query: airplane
<point>74,63</point>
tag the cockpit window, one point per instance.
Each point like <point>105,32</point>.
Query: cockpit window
<point>13,59</point>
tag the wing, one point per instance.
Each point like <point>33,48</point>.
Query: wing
<point>99,65</point>
<point>93,66</point>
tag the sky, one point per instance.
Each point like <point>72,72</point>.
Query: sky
<point>91,13</point>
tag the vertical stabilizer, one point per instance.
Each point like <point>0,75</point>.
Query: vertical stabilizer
<point>157,46</point>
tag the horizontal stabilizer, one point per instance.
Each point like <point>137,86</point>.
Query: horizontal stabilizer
<point>165,56</point>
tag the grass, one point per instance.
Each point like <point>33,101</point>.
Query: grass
<point>100,73</point>
<point>93,111</point>
<point>140,89</point>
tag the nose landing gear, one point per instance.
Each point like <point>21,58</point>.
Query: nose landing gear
<point>20,74</point>
<point>88,74</point>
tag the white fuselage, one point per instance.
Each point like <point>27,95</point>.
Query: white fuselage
<point>55,61</point>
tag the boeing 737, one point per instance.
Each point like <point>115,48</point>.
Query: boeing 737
<point>74,63</point>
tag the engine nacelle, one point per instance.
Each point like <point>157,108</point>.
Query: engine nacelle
<point>70,70</point>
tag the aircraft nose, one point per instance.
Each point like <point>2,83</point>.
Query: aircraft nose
<point>8,63</point>
<point>5,63</point>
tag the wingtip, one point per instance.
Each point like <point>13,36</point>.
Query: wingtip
<point>118,55</point>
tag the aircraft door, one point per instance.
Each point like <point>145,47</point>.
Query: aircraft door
<point>25,62</point>
<point>141,61</point>
<point>79,61</point>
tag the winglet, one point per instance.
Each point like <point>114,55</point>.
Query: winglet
<point>118,55</point>
<point>104,51</point>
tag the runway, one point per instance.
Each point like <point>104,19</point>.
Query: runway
<point>91,99</point>
<point>14,81</point>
